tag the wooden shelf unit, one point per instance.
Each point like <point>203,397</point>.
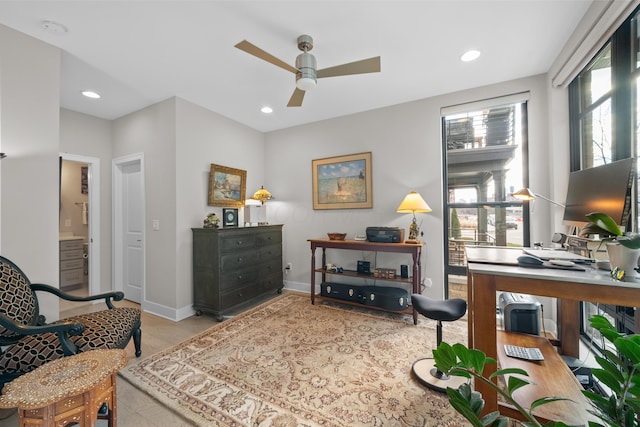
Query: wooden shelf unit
<point>353,273</point>
<point>415,250</point>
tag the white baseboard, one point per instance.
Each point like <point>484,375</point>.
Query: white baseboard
<point>175,314</point>
<point>297,286</point>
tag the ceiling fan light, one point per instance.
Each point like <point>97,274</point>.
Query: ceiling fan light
<point>305,83</point>
<point>306,75</point>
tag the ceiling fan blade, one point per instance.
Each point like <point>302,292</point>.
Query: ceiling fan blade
<point>296,98</point>
<point>256,51</point>
<point>371,65</point>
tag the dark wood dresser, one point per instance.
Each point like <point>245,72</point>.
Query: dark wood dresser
<point>233,265</point>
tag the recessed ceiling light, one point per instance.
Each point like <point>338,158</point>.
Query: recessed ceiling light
<point>91,94</point>
<point>54,27</point>
<point>266,110</point>
<point>470,55</point>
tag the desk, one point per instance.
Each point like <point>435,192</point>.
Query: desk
<point>359,245</point>
<point>570,287</point>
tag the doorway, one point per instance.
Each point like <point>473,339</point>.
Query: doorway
<point>128,226</point>
<point>79,224</point>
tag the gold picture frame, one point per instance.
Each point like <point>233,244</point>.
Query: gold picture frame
<point>343,182</point>
<point>227,186</point>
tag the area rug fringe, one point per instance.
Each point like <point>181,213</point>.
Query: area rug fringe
<point>288,363</point>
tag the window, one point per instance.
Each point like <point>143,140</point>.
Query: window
<point>605,127</point>
<point>485,152</point>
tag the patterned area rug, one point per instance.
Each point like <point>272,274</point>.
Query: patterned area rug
<point>289,363</point>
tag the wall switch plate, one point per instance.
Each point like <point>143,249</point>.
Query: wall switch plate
<point>155,224</point>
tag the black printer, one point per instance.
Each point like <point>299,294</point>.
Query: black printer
<point>385,234</point>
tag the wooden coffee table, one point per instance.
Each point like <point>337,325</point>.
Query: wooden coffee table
<point>67,390</point>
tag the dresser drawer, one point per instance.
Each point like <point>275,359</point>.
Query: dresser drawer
<point>239,260</point>
<point>66,245</point>
<point>238,279</point>
<point>271,252</point>
<point>239,296</point>
<point>71,264</point>
<point>271,282</point>
<point>233,243</point>
<point>270,238</point>
<point>71,277</point>
<point>72,254</point>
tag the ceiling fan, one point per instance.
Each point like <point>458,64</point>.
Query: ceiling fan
<point>305,69</point>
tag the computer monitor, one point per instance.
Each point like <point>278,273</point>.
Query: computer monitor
<point>605,188</point>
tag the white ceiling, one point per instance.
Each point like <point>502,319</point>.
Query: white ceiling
<point>137,53</point>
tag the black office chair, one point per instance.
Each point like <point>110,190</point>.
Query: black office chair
<point>440,311</point>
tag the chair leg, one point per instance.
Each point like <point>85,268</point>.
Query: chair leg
<point>137,341</point>
<point>428,375</point>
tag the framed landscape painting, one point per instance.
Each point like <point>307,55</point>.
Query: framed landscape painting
<point>342,182</point>
<point>227,186</point>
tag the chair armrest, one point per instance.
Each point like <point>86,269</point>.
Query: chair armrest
<point>62,329</point>
<point>108,296</point>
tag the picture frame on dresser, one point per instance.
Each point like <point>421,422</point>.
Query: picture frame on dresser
<point>343,182</point>
<point>230,217</point>
<point>227,186</point>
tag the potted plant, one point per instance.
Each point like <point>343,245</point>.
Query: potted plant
<point>619,371</point>
<point>623,248</point>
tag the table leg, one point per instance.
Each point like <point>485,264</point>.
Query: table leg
<point>313,274</point>
<point>417,275</point>
<point>569,332</point>
<point>482,312</point>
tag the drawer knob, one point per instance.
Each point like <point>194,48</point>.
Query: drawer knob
<point>239,242</point>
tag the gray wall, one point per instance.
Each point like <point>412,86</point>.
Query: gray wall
<point>29,129</point>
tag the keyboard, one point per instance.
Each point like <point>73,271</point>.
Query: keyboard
<point>527,353</point>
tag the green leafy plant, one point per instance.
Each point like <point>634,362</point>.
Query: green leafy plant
<point>618,371</point>
<point>461,361</point>
<point>605,223</point>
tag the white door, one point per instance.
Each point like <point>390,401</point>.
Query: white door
<point>133,223</point>
<point>128,212</point>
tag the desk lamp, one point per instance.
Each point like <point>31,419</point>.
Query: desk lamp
<point>413,203</point>
<point>258,211</point>
<point>527,194</point>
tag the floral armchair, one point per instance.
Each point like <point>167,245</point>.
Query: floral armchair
<point>27,341</point>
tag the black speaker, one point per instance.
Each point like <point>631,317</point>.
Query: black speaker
<point>404,271</point>
<point>364,267</point>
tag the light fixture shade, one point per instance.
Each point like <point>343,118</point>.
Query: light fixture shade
<point>306,75</point>
<point>413,203</point>
<point>305,83</point>
<point>524,194</point>
<point>262,195</point>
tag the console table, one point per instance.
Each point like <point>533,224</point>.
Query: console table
<point>415,250</point>
<point>487,275</point>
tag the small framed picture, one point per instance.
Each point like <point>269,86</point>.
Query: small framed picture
<point>229,217</point>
